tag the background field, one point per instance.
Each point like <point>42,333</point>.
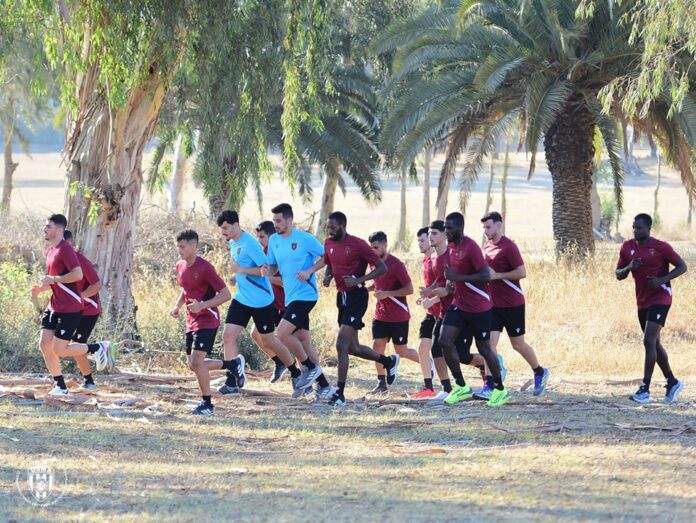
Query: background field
<point>581,452</point>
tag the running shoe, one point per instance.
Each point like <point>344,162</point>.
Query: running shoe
<point>338,400</point>
<point>392,372</point>
<point>458,394</point>
<point>642,395</point>
<point>379,390</point>
<point>325,393</point>
<point>424,394</point>
<point>226,389</point>
<point>58,391</point>
<point>240,370</point>
<point>308,376</point>
<point>499,398</point>
<point>279,372</point>
<point>203,409</point>
<point>441,395</point>
<point>86,387</point>
<point>101,357</point>
<point>540,383</point>
<point>484,393</point>
<point>672,391</point>
<point>297,392</point>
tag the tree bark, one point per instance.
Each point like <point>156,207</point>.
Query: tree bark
<point>177,184</point>
<point>10,166</point>
<point>427,157</point>
<point>441,202</point>
<point>656,214</point>
<point>489,189</point>
<point>503,183</point>
<point>401,235</point>
<point>103,154</point>
<point>328,197</point>
<point>569,155</point>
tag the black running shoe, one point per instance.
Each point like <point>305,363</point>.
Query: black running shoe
<point>279,372</point>
<point>204,409</point>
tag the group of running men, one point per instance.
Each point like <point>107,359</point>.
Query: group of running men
<point>470,295</point>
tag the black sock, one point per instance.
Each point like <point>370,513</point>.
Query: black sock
<point>646,383</point>
<point>89,380</point>
<point>498,386</point>
<point>446,385</point>
<point>207,401</point>
<point>294,371</point>
<point>307,363</point>
<point>671,380</point>
<point>539,371</point>
<point>341,386</point>
<point>490,382</point>
<point>231,380</point>
<point>60,381</point>
<point>92,348</point>
<point>459,379</point>
<point>322,381</point>
<point>277,360</point>
<point>482,370</point>
<point>387,362</point>
<point>382,381</point>
<point>428,383</point>
<point>228,365</point>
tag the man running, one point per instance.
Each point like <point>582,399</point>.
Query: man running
<point>438,295</point>
<point>298,255</point>
<point>62,318</point>
<point>507,269</point>
<point>346,258</point>
<point>202,292</point>
<point>648,260</point>
<point>470,311</point>
<point>392,314</point>
<point>253,299</point>
<point>264,231</point>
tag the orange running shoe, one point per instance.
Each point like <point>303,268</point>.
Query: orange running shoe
<point>424,394</point>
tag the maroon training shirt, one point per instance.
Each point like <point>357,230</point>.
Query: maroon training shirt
<point>428,279</point>
<point>504,256</point>
<point>466,259</point>
<point>349,257</point>
<point>60,260</point>
<point>200,282</point>
<point>92,306</point>
<point>392,309</point>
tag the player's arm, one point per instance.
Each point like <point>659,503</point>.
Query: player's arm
<point>380,268</point>
<point>328,276</point>
<point>622,272</point>
<point>679,269</point>
<point>93,289</point>
<point>517,273</point>
<point>220,297</point>
<point>74,275</point>
<point>307,273</point>
<point>401,292</point>
<point>482,276</point>
<point>174,313</point>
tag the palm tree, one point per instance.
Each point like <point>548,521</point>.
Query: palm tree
<point>477,67</point>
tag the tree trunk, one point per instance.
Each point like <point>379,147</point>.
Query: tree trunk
<point>427,157</point>
<point>596,207</point>
<point>691,209</point>
<point>10,166</point>
<point>569,155</point>
<point>656,215</point>
<point>503,192</point>
<point>328,197</point>
<point>177,184</point>
<point>103,154</point>
<point>401,235</point>
<point>489,189</point>
<point>441,202</point>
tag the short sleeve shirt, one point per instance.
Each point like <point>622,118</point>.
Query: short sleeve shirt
<point>428,279</point>
<point>200,282</point>
<point>348,257</point>
<point>60,260</point>
<point>293,254</point>
<point>504,256</point>
<point>252,291</point>
<point>466,258</point>
<point>92,305</point>
<point>392,309</point>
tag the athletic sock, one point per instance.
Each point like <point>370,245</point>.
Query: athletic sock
<point>646,383</point>
<point>89,380</point>
<point>428,383</point>
<point>93,347</point>
<point>459,379</point>
<point>294,371</point>
<point>382,381</point>
<point>277,360</point>
<point>228,365</point>
<point>388,363</point>
<point>322,381</point>
<point>489,382</point>
<point>539,371</point>
<point>60,381</point>
<point>207,401</point>
<point>307,363</point>
<point>482,370</point>
<point>341,386</point>
<point>499,386</point>
<point>446,385</point>
<point>231,380</point>
<point>671,380</point>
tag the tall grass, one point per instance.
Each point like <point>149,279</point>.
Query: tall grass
<point>579,319</point>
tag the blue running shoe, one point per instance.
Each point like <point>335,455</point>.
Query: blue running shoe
<point>540,383</point>
<point>203,409</point>
<point>642,395</point>
<point>484,393</point>
<point>673,391</point>
<point>503,370</point>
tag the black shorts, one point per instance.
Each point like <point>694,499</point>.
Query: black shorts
<point>426,327</point>
<point>396,331</point>
<point>264,317</point>
<point>476,323</point>
<point>85,328</point>
<point>202,340</point>
<point>278,316</point>
<point>352,306</point>
<point>64,324</point>
<point>463,344</point>
<point>297,313</point>
<point>510,318</point>
<point>653,313</point>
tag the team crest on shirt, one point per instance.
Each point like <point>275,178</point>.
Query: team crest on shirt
<point>239,250</point>
<point>652,252</point>
<point>196,275</point>
<point>633,251</point>
<point>293,246</point>
<point>347,250</point>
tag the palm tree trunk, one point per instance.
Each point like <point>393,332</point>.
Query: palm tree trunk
<point>10,166</point>
<point>656,215</point>
<point>569,155</point>
<point>328,197</point>
<point>427,157</point>
<point>441,202</point>
<point>489,189</point>
<point>177,184</point>
<point>104,154</point>
<point>401,235</point>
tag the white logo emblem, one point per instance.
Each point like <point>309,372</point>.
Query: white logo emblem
<point>632,251</point>
<point>265,327</point>
<point>659,316</point>
<point>62,331</point>
<point>518,329</point>
<point>79,336</point>
<point>331,250</point>
<point>201,344</point>
<point>483,334</point>
<point>401,338</point>
<point>43,485</point>
<point>352,318</point>
<point>294,316</point>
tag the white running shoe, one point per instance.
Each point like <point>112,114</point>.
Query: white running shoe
<point>57,391</point>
